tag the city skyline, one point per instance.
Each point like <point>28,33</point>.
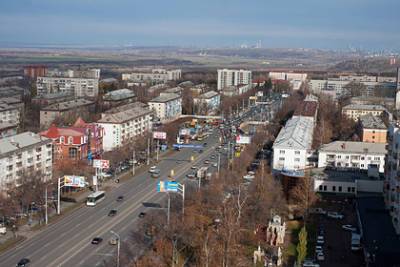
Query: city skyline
<point>313,24</point>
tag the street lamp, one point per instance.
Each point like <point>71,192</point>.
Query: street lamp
<point>118,244</point>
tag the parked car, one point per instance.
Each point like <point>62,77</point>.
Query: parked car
<point>156,173</point>
<point>215,165</point>
<point>194,167</point>
<point>320,240</point>
<point>318,249</point>
<point>152,169</point>
<point>3,229</point>
<point>335,215</point>
<point>206,161</point>
<point>190,175</point>
<point>23,262</point>
<point>142,214</point>
<point>320,256</point>
<point>120,198</point>
<point>349,227</point>
<point>97,240</point>
<point>112,213</point>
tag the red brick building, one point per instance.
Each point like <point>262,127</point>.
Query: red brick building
<point>82,141</point>
<point>33,71</point>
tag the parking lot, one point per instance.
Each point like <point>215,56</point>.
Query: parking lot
<point>337,241</point>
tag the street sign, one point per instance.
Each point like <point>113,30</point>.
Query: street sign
<point>188,146</point>
<point>242,139</point>
<point>167,186</point>
<point>101,163</point>
<point>74,181</point>
<point>160,135</point>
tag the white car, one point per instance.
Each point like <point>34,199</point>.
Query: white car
<point>320,240</point>
<point>335,215</point>
<point>215,165</point>
<point>320,256</point>
<point>3,229</point>
<point>152,169</point>
<point>349,227</point>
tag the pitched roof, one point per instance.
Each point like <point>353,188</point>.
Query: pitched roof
<point>297,133</point>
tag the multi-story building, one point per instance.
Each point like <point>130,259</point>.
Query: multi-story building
<point>166,106</point>
<point>33,71</point>
<point>154,75</point>
<point>122,124</point>
<point>23,154</point>
<point>10,113</point>
<point>207,102</point>
<point>354,111</point>
<point>64,109</point>
<point>49,99</point>
<point>228,77</point>
<point>352,155</point>
<point>118,97</point>
<point>287,76</point>
<point>80,87</point>
<point>82,141</point>
<point>373,129</point>
<point>8,129</point>
<point>293,146</point>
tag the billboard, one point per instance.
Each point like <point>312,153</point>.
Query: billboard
<point>101,163</point>
<point>167,186</point>
<point>242,139</point>
<point>184,131</point>
<point>74,181</point>
<point>160,135</point>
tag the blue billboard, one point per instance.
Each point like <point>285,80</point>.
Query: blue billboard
<point>167,186</point>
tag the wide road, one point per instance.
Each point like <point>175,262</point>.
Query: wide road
<point>67,242</point>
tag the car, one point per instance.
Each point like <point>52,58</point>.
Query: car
<point>23,262</point>
<point>120,198</point>
<point>3,229</point>
<point>97,240</point>
<point>349,227</point>
<point>215,165</point>
<point>310,263</point>
<point>318,211</point>
<point>335,215</point>
<point>190,175</point>
<point>320,256</point>
<point>124,167</point>
<point>113,241</point>
<point>205,144</point>
<point>106,174</point>
<point>152,169</point>
<point>200,151</point>
<point>320,240</point>
<point>194,167</point>
<point>318,249</point>
<point>212,157</point>
<point>206,161</point>
<point>142,214</point>
<point>178,162</point>
<point>112,213</point>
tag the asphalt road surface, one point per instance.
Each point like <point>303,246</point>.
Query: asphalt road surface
<point>68,242</point>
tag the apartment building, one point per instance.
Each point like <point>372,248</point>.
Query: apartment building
<point>64,109</point>
<point>392,175</point>
<point>24,153</point>
<point>352,155</point>
<point>355,111</point>
<point>293,146</point>
<point>79,87</point>
<point>81,141</point>
<point>287,76</point>
<point>33,71</point>
<point>209,101</point>
<point>10,113</point>
<point>118,97</point>
<point>8,129</point>
<point>373,129</point>
<point>166,106</point>
<point>230,77</point>
<point>122,124</point>
<point>153,75</point>
<point>49,99</point>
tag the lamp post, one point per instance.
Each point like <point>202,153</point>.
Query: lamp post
<point>118,245</point>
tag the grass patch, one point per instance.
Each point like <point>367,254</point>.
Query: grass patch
<point>11,242</point>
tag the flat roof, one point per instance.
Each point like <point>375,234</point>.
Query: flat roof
<point>354,147</point>
<point>209,94</point>
<point>119,94</point>
<point>297,134</point>
<point>370,121</point>
<point>165,97</point>
<point>68,105</point>
<point>342,175</point>
<point>20,141</point>
<point>365,107</point>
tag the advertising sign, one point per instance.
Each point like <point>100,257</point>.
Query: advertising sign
<point>167,186</point>
<point>74,181</point>
<point>160,135</point>
<point>188,146</point>
<point>184,131</point>
<point>242,139</point>
<point>101,163</point>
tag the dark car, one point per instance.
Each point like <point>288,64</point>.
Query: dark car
<point>142,214</point>
<point>97,240</point>
<point>24,262</point>
<point>205,144</point>
<point>112,213</point>
<point>120,198</point>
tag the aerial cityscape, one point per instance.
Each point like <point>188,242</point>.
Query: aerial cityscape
<point>199,133</point>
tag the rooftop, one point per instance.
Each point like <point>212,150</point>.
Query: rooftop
<point>119,94</point>
<point>125,113</point>
<point>19,141</point>
<point>165,97</point>
<point>354,147</point>
<point>307,108</point>
<point>5,106</point>
<point>175,90</point>
<point>364,107</point>
<point>369,121</point>
<point>54,95</point>
<point>341,175</point>
<point>208,95</point>
<point>297,133</point>
<point>67,105</point>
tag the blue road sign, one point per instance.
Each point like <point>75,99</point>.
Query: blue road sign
<point>167,186</point>
<point>188,146</point>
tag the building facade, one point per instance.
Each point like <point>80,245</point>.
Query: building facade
<point>354,111</point>
<point>22,154</point>
<point>166,106</point>
<point>154,75</point>
<point>118,97</point>
<point>352,155</point>
<point>79,87</point>
<point>210,101</point>
<point>229,77</point>
<point>122,124</point>
<point>373,129</point>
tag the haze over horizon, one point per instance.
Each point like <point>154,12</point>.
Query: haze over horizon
<point>367,24</point>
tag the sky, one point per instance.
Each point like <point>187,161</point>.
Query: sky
<point>325,24</point>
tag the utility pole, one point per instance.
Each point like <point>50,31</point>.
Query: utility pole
<point>158,148</point>
<point>46,214</point>
<point>169,207</point>
<point>133,161</point>
<point>148,151</point>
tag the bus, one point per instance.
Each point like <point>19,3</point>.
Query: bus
<point>95,197</point>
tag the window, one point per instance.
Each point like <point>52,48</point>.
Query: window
<point>340,189</point>
<point>347,157</point>
<point>281,159</point>
<point>353,189</point>
<point>334,188</point>
<point>320,188</point>
<point>70,140</point>
<point>282,152</point>
<point>362,165</point>
<point>72,152</point>
<point>377,158</point>
<point>339,164</point>
<point>297,152</point>
<point>362,158</point>
<point>339,156</point>
<point>297,159</point>
<point>325,188</point>
<point>348,189</point>
<point>62,139</point>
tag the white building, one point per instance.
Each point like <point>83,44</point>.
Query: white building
<point>211,100</point>
<point>355,111</point>
<point>24,153</point>
<point>288,76</point>
<point>293,145</point>
<point>154,75</point>
<point>228,77</point>
<point>352,155</point>
<point>10,113</point>
<point>80,87</point>
<point>124,123</point>
<point>167,106</point>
